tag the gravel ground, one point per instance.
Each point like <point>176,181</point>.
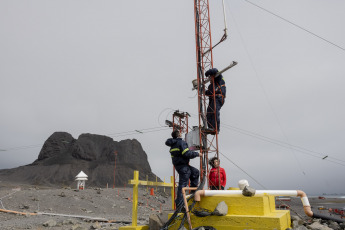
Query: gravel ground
<point>296,206</point>
<point>91,204</point>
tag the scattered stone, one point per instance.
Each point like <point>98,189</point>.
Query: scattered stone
<point>155,223</point>
<point>62,194</point>
<point>221,209</point>
<point>295,224</point>
<point>96,225</point>
<point>318,226</point>
<point>142,223</point>
<point>298,219</point>
<point>161,201</point>
<point>301,227</point>
<point>69,221</point>
<point>164,216</point>
<point>78,227</point>
<point>50,223</point>
<point>24,206</point>
<point>334,225</point>
<point>248,191</point>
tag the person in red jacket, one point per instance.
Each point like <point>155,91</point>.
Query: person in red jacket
<point>213,177</point>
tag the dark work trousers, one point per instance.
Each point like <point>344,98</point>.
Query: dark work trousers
<point>186,173</point>
<point>210,113</point>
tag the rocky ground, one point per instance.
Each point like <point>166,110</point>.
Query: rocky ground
<point>300,221</point>
<point>101,208</point>
<point>66,208</point>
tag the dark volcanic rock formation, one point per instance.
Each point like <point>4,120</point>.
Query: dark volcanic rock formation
<point>62,157</point>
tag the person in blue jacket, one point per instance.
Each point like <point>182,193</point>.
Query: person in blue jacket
<point>180,155</point>
<point>218,84</point>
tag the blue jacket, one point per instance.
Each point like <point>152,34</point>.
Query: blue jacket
<point>220,88</point>
<point>180,153</point>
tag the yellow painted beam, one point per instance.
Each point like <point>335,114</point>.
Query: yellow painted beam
<point>143,182</point>
<point>135,198</point>
<point>172,193</point>
<point>144,227</point>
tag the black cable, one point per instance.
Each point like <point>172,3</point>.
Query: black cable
<point>283,144</point>
<point>243,171</point>
<point>163,112</point>
<point>322,155</point>
<point>280,143</point>
<point>120,134</point>
<point>22,147</point>
<point>180,206</point>
<point>294,24</point>
<point>133,131</point>
<point>201,212</point>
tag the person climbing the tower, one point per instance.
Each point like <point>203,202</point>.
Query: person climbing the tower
<point>215,179</point>
<point>217,86</point>
<point>180,155</point>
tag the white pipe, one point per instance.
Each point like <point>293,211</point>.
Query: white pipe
<point>305,202</point>
<point>258,193</point>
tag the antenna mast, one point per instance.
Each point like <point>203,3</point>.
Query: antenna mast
<point>204,61</point>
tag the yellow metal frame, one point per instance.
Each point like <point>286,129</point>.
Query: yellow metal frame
<point>136,182</point>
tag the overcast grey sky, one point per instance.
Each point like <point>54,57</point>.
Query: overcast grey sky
<point>107,67</point>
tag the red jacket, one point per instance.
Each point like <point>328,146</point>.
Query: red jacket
<point>213,177</point>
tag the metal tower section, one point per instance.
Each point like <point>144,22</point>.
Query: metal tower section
<point>180,123</point>
<point>204,59</point>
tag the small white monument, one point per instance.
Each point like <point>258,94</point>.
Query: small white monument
<point>81,178</point>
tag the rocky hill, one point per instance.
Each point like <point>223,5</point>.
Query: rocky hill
<point>62,157</point>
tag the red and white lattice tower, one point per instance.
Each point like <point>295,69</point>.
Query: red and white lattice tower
<point>204,61</point>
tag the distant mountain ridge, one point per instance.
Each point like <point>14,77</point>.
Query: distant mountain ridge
<point>62,157</point>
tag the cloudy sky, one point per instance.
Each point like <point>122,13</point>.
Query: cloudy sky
<point>112,67</point>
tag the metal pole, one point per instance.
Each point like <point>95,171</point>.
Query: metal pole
<point>226,27</point>
<point>115,152</point>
